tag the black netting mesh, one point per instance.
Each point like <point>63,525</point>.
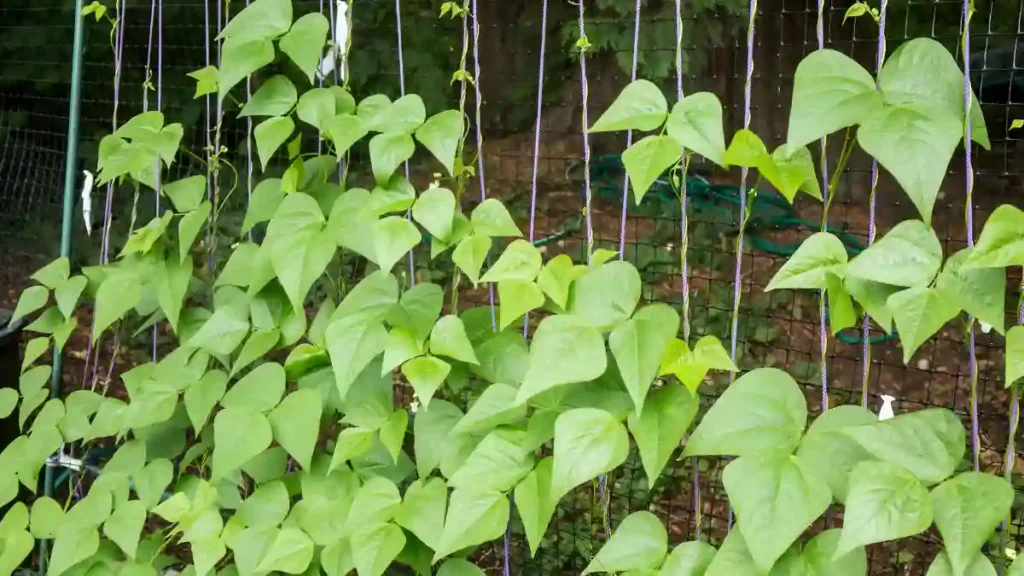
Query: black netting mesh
<point>778,329</point>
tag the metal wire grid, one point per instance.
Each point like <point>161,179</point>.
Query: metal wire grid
<point>775,329</point>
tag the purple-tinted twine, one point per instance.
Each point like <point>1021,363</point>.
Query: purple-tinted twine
<point>248,140</point>
<point>684,242</point>
<point>319,77</point>
<point>738,276</point>
<point>1011,442</point>
<point>585,91</point>
<point>206,118</point>
<point>155,15</point>
<point>969,174</point>
<point>536,137</point>
<point>483,196</point>
<point>480,139</point>
<point>319,81</point>
<point>823,308</point>
<point>342,61</point>
<point>865,331</point>
<point>223,17</point>
<point>334,37</point>
<point>684,226</point>
<point>629,135</point>
<point>401,92</point>
<point>109,200</point>
<point>118,55</point>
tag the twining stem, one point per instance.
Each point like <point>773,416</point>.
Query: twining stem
<point>234,186</point>
<point>830,193</point>
<point>849,142</point>
<point>684,241</point>
<point>348,45</point>
<point>460,177</point>
<point>751,197</point>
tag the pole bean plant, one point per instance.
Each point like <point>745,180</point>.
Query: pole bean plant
<point>266,439</point>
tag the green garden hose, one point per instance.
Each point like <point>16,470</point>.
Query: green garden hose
<point>769,212</point>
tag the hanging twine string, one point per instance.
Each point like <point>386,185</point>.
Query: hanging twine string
<point>1011,444</point>
<point>401,61</point>
<point>319,82</point>
<point>684,244</point>
<point>737,279</point>
<point>684,225</point>
<point>155,15</point>
<point>823,295</point>
<point>149,56</point>
<point>334,37</point>
<point>480,139</point>
<point>969,217</point>
<point>585,92</point>
<point>338,68</point>
<point>738,276</point>
<point>248,138</point>
<point>602,482</point>
<point>483,196</point>
<point>401,92</point>
<point>118,56</point>
<point>629,135</point>
<point>108,204</point>
<point>206,116</point>
<point>865,332</point>
<point>208,127</point>
<point>536,137</point>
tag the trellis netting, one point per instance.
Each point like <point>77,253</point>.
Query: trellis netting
<point>531,94</point>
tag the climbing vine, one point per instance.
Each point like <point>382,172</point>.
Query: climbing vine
<point>300,424</point>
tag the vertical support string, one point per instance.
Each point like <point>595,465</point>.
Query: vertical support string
<point>248,144</point>
<point>401,92</point>
<point>536,137</point>
<point>341,58</point>
<point>207,126</point>
<point>401,61</point>
<point>629,134</point>
<point>684,248</point>
<point>585,96</point>
<point>118,55</point>
<point>319,78</point>
<point>108,205</point>
<point>149,56</point>
<point>585,93</point>
<point>684,225</point>
<point>865,334</point>
<point>969,220</point>
<point>827,200</point>
<point>155,16</point>
<point>1011,443</point>
<point>481,180</point>
<point>738,275</point>
<point>533,215</point>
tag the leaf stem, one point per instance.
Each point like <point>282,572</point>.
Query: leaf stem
<point>844,158</point>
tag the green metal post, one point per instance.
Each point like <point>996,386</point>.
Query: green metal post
<point>70,172</point>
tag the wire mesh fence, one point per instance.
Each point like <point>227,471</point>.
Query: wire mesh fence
<point>779,329</point>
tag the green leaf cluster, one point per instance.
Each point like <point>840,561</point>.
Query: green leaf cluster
<point>302,419</point>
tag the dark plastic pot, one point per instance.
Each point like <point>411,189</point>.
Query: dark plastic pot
<point>10,369</point>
